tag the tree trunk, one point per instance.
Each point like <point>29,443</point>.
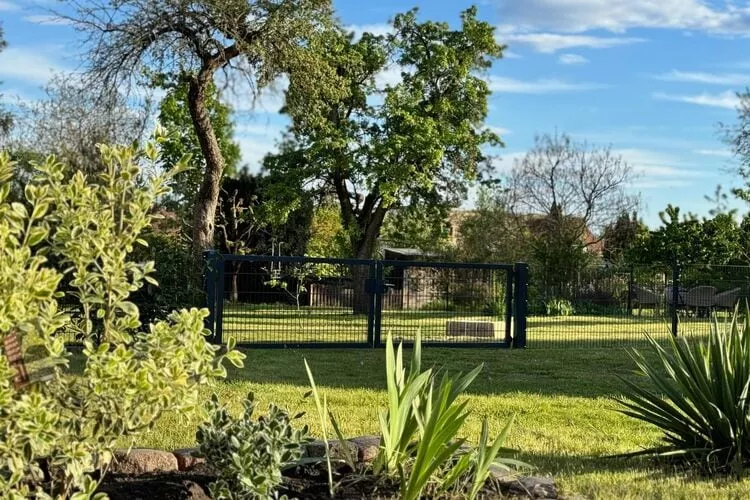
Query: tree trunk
<point>365,247</point>
<point>204,211</point>
<point>234,294</point>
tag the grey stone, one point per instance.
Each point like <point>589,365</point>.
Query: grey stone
<point>367,448</point>
<point>187,458</point>
<point>142,461</point>
<point>528,486</point>
<point>194,491</point>
<point>468,328</point>
<point>337,449</point>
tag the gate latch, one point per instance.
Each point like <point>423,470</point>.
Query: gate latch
<point>375,286</point>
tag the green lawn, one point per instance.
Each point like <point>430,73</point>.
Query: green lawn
<point>287,324</point>
<point>562,399</point>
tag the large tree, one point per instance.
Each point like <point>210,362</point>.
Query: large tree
<point>566,193</point>
<point>253,41</point>
<point>181,139</point>
<point>424,227</point>
<point>386,145</point>
<point>686,239</point>
<point>70,121</point>
<point>586,186</point>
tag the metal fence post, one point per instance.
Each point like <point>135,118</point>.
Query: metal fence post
<point>631,291</point>
<point>509,306</point>
<point>220,287</point>
<point>209,287</point>
<point>675,295</point>
<point>521,275</point>
<point>377,304</point>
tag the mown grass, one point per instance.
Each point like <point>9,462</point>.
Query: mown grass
<point>566,424</point>
<point>286,324</point>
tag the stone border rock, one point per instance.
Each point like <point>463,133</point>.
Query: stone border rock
<point>141,461</point>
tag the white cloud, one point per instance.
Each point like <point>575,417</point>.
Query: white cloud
<point>27,64</point>
<point>389,76</point>
<point>540,86</point>
<point>726,100</point>
<point>572,59</point>
<point>714,152</point>
<point>656,169</point>
<point>47,20</point>
<point>509,54</point>
<point>661,183</point>
<point>501,131</point>
<point>8,6</point>
<point>576,16</point>
<point>504,162</point>
<point>732,79</point>
<point>656,163</point>
<point>552,42</point>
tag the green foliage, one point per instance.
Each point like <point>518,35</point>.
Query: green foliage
<point>620,236</point>
<point>491,232</point>
<point>419,140</point>
<point>172,260</point>
<point>700,397</point>
<point>558,307</point>
<point>417,226</point>
<point>249,454</point>
<point>690,240</point>
<point>469,474</point>
<point>328,237</point>
<point>181,140</point>
<point>130,378</point>
<point>324,417</point>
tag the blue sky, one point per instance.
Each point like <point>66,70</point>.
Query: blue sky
<point>650,78</point>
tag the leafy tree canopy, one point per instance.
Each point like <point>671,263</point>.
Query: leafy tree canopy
<point>382,144</point>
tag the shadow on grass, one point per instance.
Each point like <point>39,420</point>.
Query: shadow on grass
<point>651,468</point>
<point>589,373</point>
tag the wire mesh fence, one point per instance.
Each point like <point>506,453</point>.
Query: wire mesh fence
<point>282,301</point>
<point>447,304</point>
<point>295,302</point>
<point>617,307</point>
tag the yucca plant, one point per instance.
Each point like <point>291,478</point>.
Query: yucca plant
<point>700,397</point>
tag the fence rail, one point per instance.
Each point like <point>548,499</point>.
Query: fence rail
<point>271,301</point>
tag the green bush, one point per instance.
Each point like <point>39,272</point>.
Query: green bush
<point>249,454</point>
<point>558,307</point>
<point>439,305</point>
<point>130,377</point>
<point>699,398</point>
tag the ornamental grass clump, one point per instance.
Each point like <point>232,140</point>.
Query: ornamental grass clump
<point>420,449</point>
<point>58,428</point>
<point>698,397</point>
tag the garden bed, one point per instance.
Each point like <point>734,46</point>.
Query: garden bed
<point>156,474</point>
